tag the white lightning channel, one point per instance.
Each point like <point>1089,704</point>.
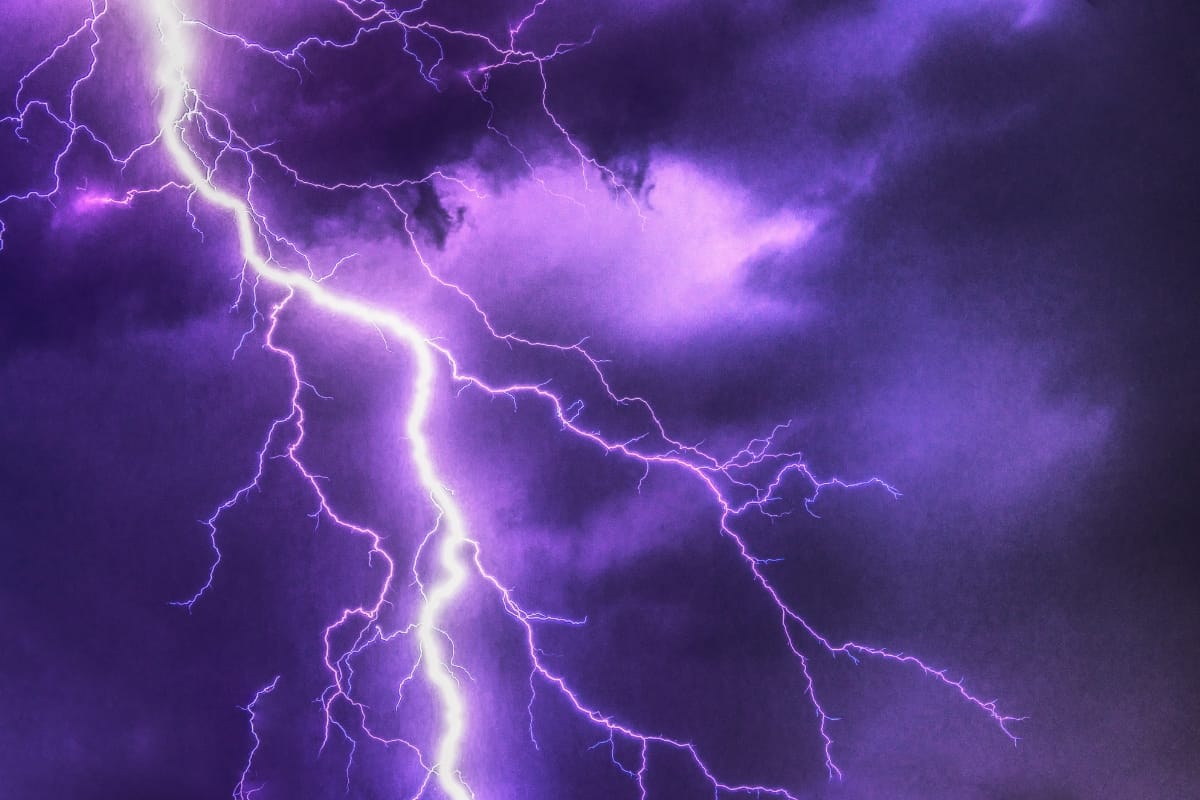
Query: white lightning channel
<point>174,61</point>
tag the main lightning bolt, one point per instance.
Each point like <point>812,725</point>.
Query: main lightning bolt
<point>452,571</point>
<point>449,559</point>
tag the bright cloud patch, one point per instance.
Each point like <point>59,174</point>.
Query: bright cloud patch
<point>687,266</point>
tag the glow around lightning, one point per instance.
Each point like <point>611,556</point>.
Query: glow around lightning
<point>449,560</point>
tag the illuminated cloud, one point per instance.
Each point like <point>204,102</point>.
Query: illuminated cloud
<point>689,264</point>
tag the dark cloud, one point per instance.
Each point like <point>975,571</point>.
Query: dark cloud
<point>72,275</point>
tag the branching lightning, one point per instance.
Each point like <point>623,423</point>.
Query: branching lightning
<point>199,141</point>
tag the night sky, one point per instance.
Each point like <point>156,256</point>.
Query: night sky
<point>955,245</point>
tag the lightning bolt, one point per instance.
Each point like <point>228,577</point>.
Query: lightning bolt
<point>242,791</point>
<point>197,140</point>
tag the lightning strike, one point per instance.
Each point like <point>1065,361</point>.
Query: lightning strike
<point>243,791</point>
<point>449,560</point>
<point>452,575</point>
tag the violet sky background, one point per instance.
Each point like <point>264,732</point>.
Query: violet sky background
<point>954,243</point>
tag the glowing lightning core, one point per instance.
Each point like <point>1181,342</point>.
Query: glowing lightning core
<point>172,79</point>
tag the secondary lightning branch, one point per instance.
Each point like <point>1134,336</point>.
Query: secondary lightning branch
<point>190,131</point>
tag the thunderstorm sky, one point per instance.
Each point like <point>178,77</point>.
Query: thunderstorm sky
<point>954,244</point>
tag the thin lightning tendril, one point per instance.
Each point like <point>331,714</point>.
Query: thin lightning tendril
<point>189,130</point>
<point>243,791</point>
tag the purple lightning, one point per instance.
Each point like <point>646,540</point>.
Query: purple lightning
<point>243,791</point>
<point>208,162</point>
